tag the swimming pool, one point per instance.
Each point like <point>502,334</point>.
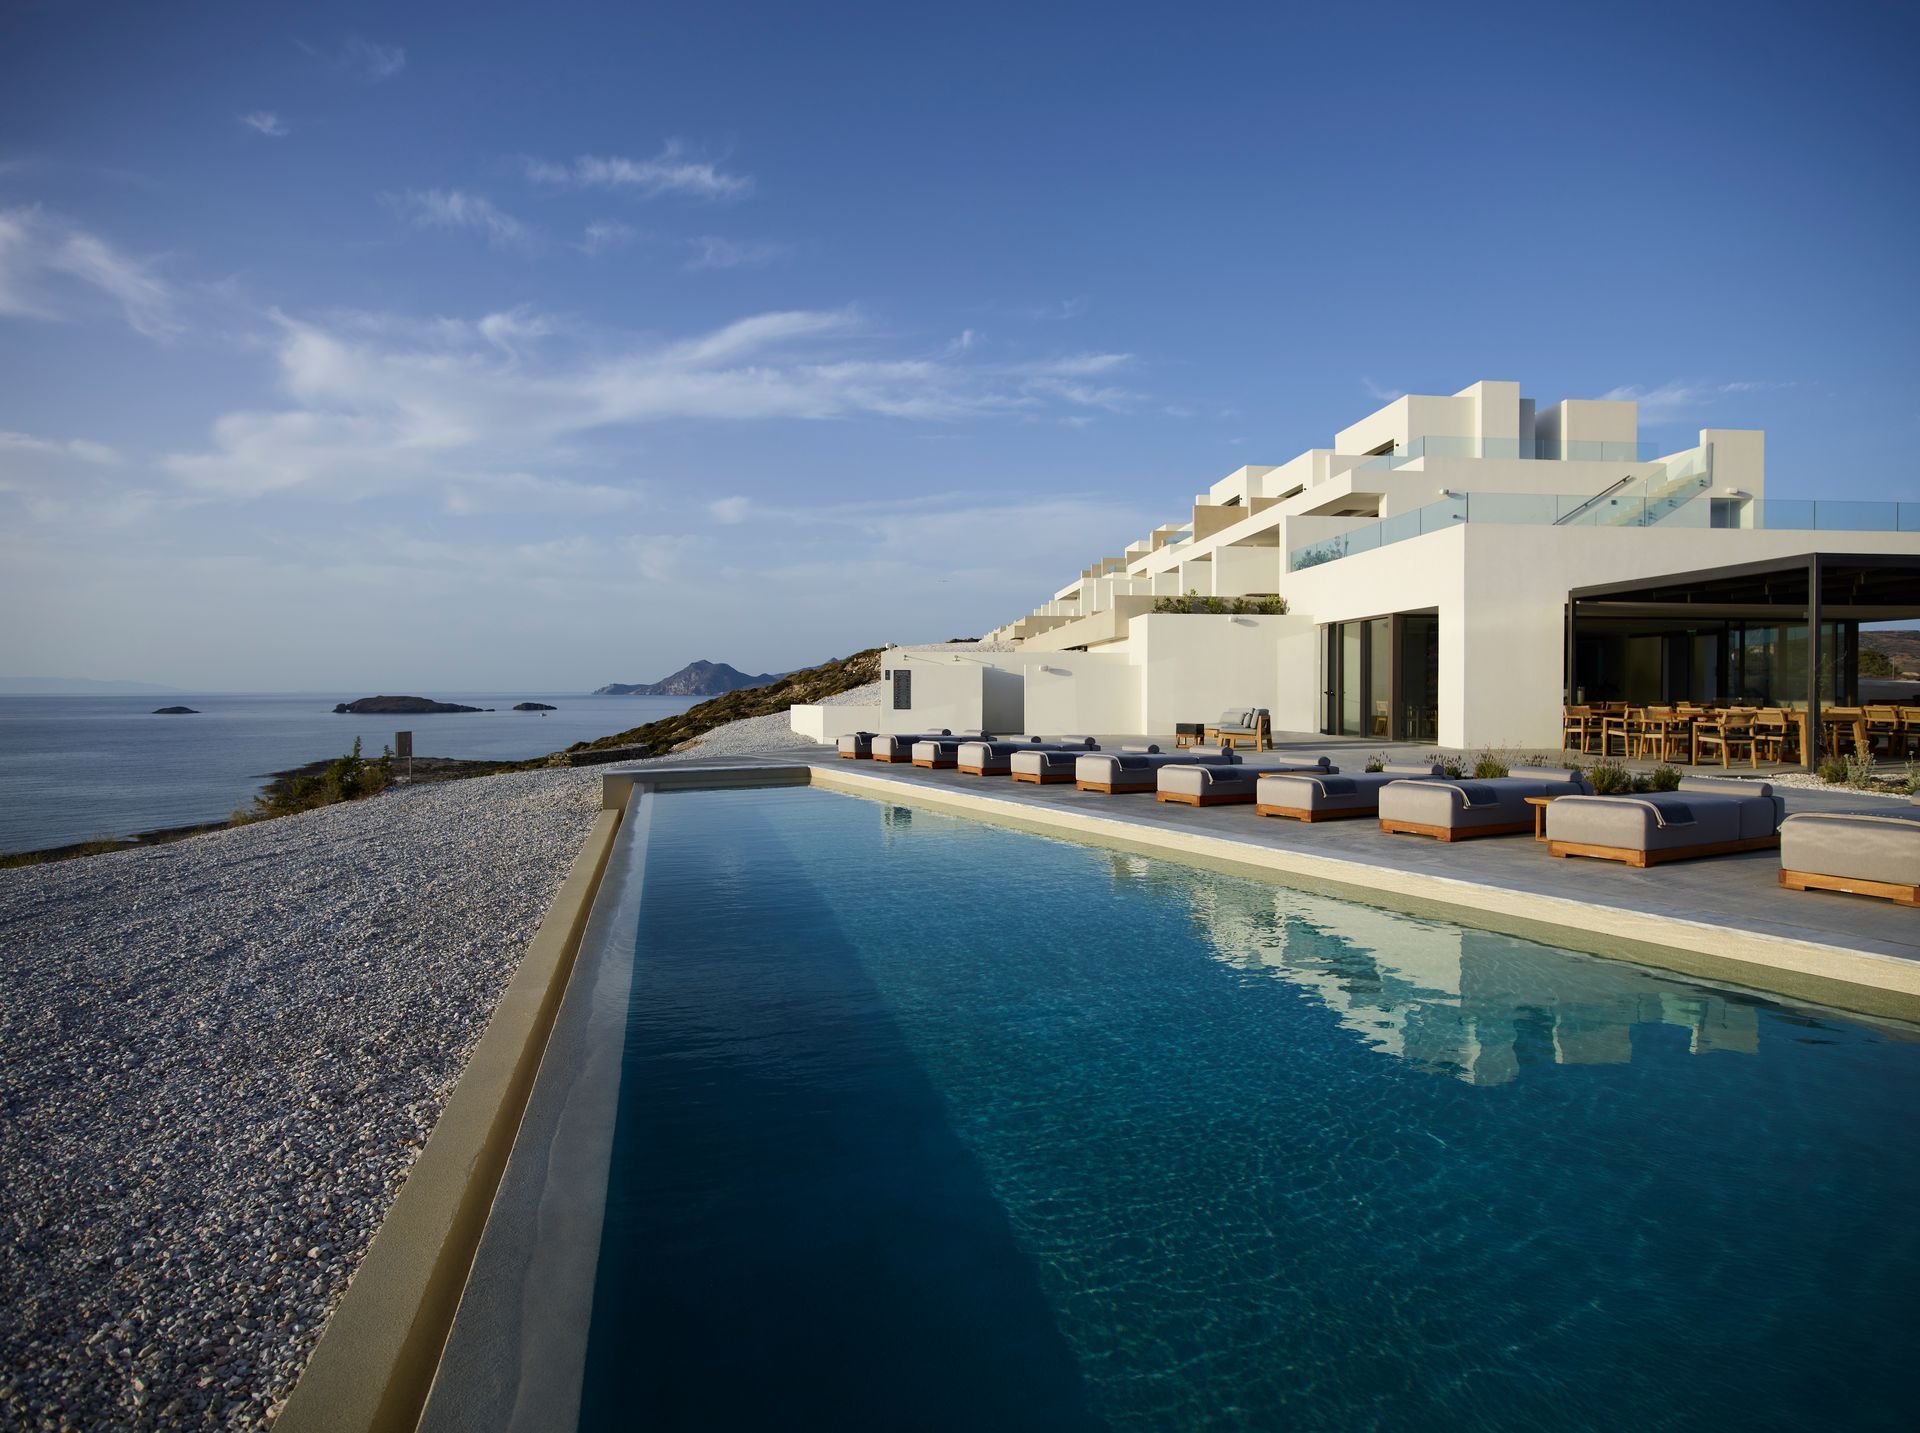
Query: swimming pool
<point>926,1123</point>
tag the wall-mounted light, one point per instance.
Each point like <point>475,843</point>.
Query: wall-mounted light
<point>1735,493</point>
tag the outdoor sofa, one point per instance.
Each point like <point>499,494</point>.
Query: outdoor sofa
<point>1233,785</point>
<point>1458,810</point>
<point>1308,796</point>
<point>1137,768</point>
<point>1853,852</point>
<point>995,758</point>
<point>1245,724</point>
<point>1707,816</point>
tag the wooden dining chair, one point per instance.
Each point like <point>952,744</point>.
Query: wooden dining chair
<point>1729,735</point>
<point>1578,726</point>
<point>1886,731</point>
<point>1776,735</point>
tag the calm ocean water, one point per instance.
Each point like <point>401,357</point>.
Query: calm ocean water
<point>79,768</point>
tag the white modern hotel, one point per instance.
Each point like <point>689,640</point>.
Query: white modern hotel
<point>1456,570</point>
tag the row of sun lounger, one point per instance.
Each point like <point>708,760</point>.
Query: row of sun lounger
<point>1706,816</point>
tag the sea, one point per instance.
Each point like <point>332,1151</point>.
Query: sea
<point>84,768</point>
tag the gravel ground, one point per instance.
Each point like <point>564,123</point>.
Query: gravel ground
<point>218,1059</point>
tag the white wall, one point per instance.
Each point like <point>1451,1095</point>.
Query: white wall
<point>830,723</point>
<point>1082,694</point>
<point>1193,667</point>
<point>945,693</point>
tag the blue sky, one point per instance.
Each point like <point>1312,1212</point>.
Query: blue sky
<point>447,346</point>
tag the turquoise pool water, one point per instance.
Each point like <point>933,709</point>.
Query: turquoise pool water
<point>927,1124</point>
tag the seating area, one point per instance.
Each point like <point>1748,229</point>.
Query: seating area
<point>1861,854</point>
<point>1699,733</point>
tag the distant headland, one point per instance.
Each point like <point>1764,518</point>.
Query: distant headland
<point>696,679</point>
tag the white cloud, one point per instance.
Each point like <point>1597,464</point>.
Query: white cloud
<point>715,253</point>
<point>669,172</point>
<point>457,209</point>
<point>263,121</point>
<point>379,403</point>
<point>476,494</point>
<point>42,258</point>
<point>1675,399</point>
<point>604,234</point>
<point>728,510</point>
<point>1379,394</point>
<point>361,59</point>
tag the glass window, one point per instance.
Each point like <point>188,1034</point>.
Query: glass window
<point>1351,672</point>
<point>1379,676</point>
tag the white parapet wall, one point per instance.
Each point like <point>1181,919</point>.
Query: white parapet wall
<point>827,724</point>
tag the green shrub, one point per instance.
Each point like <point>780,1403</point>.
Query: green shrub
<point>1377,762</point>
<point>1859,765</point>
<point>1910,783</point>
<point>1833,771</point>
<point>1193,602</point>
<point>1609,778</point>
<point>1488,767</point>
<point>1664,778</point>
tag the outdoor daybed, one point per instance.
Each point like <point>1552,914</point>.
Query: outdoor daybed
<point>1853,852</point>
<point>1044,765</point>
<point>1457,810</point>
<point>1310,797</point>
<point>898,747</point>
<point>1224,785</point>
<point>1707,816</point>
<point>856,745</point>
<point>1137,768</point>
<point>995,758</point>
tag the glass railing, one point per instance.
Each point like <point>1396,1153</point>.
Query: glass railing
<point>1547,449</point>
<point>1666,505</point>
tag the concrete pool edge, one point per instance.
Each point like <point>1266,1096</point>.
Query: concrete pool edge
<point>378,1352</point>
<point>1861,982</point>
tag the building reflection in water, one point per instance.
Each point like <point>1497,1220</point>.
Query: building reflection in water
<point>1446,998</point>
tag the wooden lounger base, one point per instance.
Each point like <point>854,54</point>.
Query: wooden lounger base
<point>974,771</point>
<point>1631,857</point>
<point>1184,799</point>
<point>1294,813</point>
<point>851,756</point>
<point>1852,886</point>
<point>1449,833</point>
<point>1106,788</point>
<point>894,760</point>
<point>1039,780</point>
<point>934,765</point>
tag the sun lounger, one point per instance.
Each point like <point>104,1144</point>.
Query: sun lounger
<point>1312,797</point>
<point>1705,817</point>
<point>1045,765</point>
<point>892,747</point>
<point>1137,768</point>
<point>1859,854</point>
<point>856,746</point>
<point>1458,810</point>
<point>1234,785</point>
<point>939,752</point>
<point>995,758</point>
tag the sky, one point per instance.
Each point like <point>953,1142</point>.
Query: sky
<point>470,346</point>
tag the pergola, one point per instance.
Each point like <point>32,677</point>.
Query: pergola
<point>1815,588</point>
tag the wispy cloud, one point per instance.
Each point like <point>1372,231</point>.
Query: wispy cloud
<point>714,253</point>
<point>1065,309</point>
<point>457,209</point>
<point>669,172</point>
<point>1670,401</point>
<point>43,258</point>
<point>604,234</point>
<point>1380,394</point>
<point>360,59</point>
<point>728,510</point>
<point>86,451</point>
<point>264,121</point>
<point>377,405</point>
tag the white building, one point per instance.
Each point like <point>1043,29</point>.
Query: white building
<point>1454,570</point>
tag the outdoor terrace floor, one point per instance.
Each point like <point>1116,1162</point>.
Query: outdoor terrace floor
<point>1739,892</point>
